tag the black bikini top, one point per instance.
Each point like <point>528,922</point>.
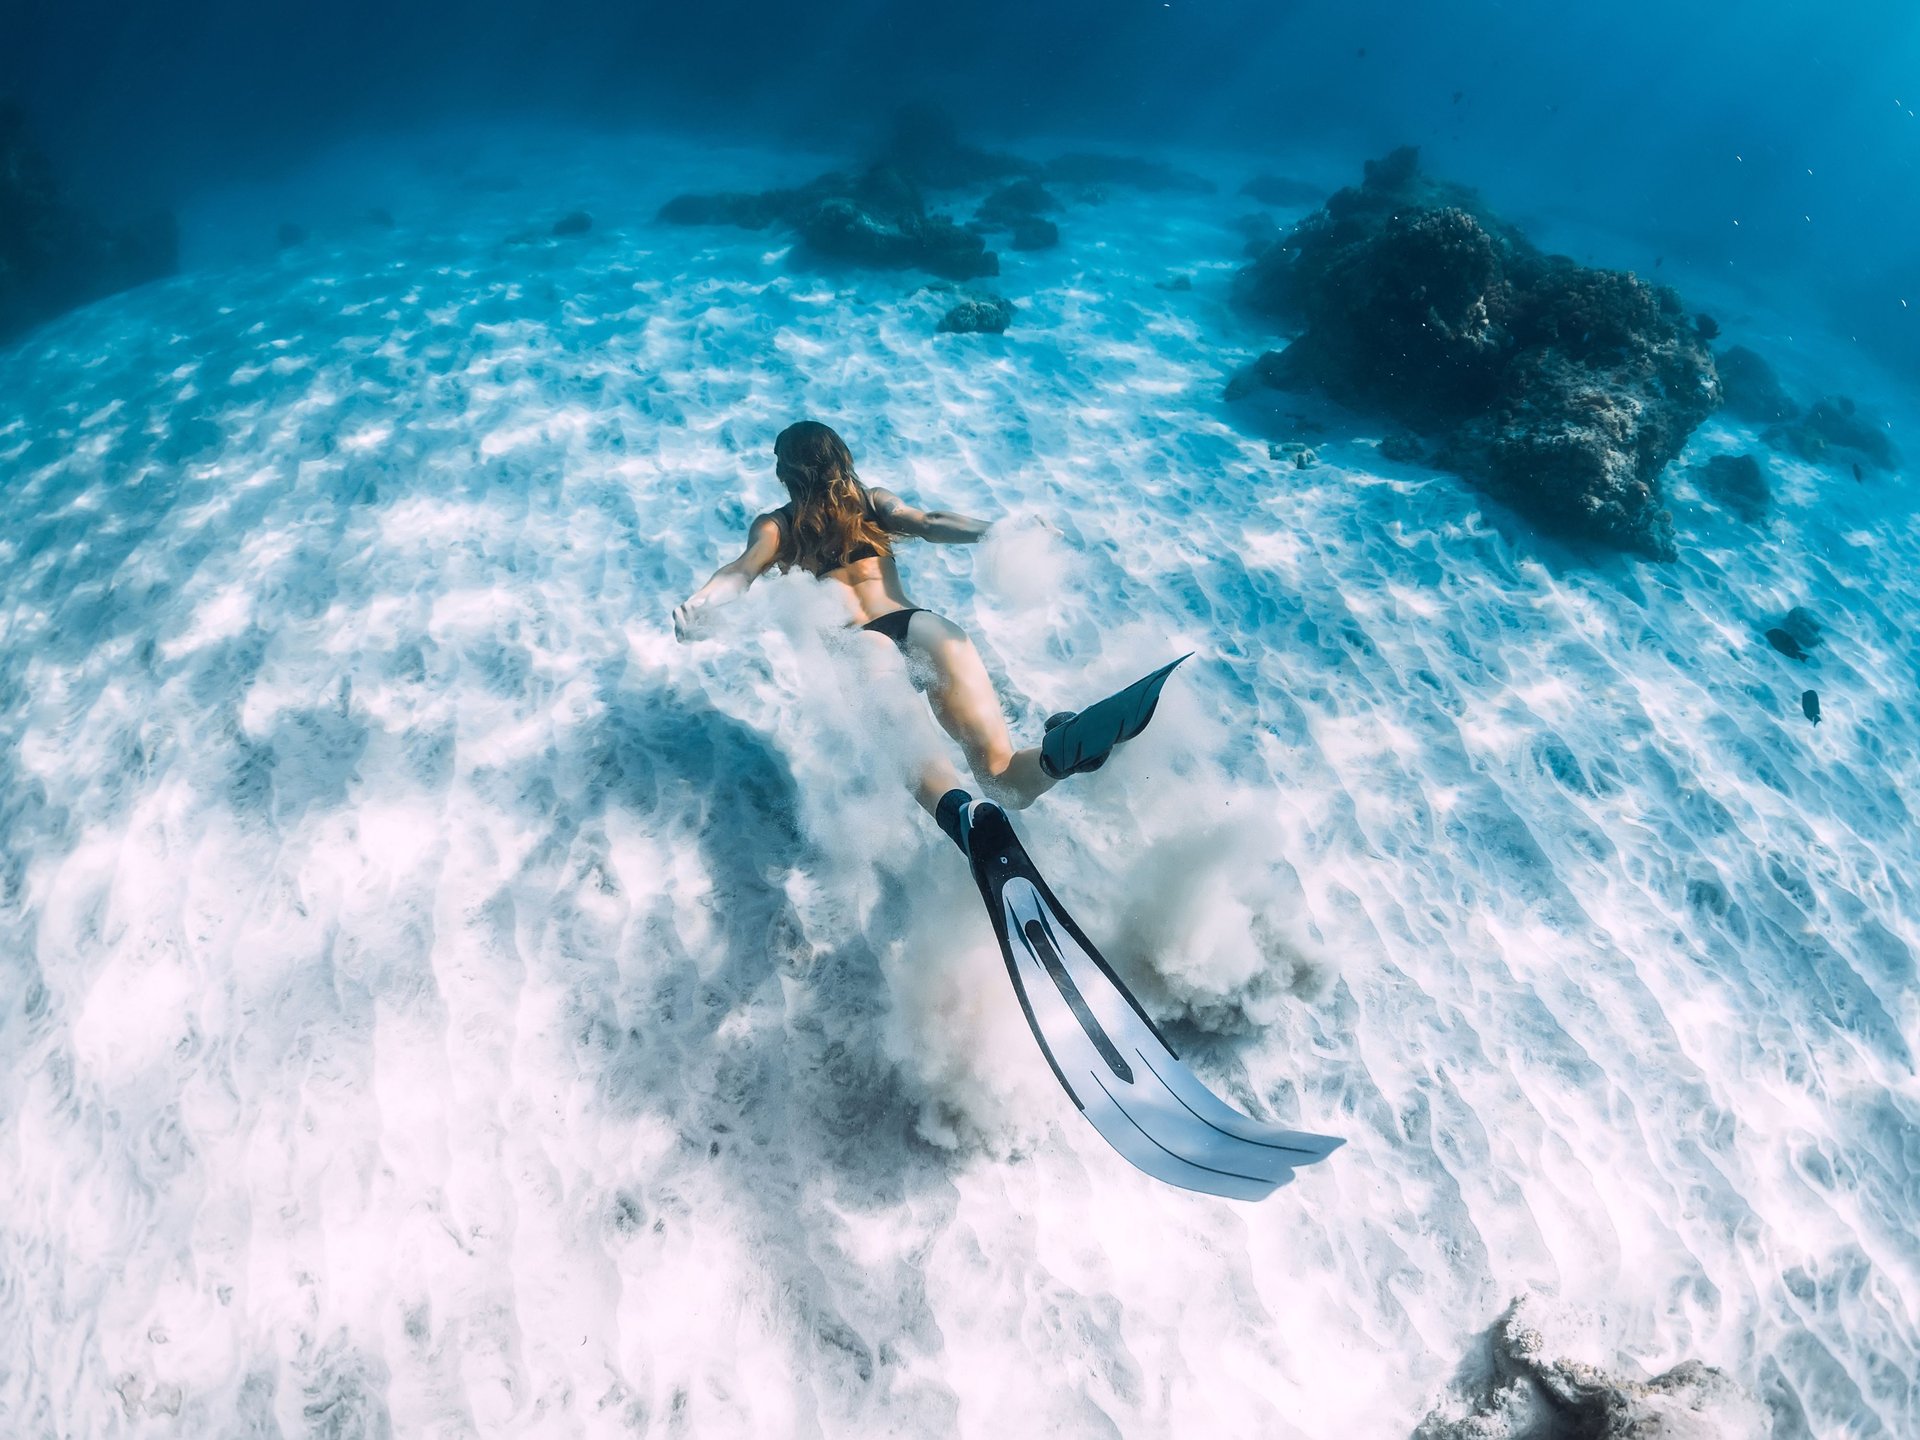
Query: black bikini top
<point>865,550</point>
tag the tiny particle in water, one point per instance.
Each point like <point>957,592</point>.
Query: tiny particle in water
<point>1810,705</point>
<point>1458,96</point>
<point>1361,54</point>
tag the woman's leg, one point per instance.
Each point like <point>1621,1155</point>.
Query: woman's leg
<point>929,772</point>
<point>936,778</point>
<point>955,679</point>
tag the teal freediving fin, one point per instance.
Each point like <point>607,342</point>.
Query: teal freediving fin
<point>1079,741</point>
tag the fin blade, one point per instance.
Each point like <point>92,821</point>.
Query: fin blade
<point>1107,1054</point>
<point>1083,742</point>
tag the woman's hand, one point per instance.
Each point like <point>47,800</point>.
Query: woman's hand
<point>731,580</point>
<point>1031,520</point>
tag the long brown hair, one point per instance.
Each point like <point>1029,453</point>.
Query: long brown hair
<point>832,514</point>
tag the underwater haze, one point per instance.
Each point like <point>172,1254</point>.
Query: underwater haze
<point>1663,123</point>
<point>436,1001</point>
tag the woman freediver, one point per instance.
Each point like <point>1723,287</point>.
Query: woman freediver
<point>837,528</point>
<point>1092,1030</point>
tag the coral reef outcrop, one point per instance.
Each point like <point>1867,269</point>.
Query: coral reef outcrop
<point>1562,389</point>
<point>1513,1387</point>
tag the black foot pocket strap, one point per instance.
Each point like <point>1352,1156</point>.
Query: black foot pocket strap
<point>951,816</point>
<point>1084,741</point>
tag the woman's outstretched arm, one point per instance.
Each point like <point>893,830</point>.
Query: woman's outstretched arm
<point>731,580</point>
<point>942,527</point>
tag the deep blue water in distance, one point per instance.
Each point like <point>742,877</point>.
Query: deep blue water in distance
<point>1662,122</point>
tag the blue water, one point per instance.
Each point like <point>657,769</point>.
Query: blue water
<point>434,1001</point>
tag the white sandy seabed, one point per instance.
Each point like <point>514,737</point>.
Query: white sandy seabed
<point>434,1002</point>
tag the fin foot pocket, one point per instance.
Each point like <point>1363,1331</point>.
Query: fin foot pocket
<point>951,816</point>
<point>1054,722</point>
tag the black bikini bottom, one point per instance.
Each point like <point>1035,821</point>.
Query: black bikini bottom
<point>894,624</point>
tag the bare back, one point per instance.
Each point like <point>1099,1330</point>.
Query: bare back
<point>873,581</point>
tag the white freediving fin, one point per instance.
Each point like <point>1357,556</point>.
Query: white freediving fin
<point>1109,1056</point>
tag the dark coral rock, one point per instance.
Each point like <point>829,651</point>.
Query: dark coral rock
<point>1397,170</point>
<point>1404,447</point>
<point>1289,280</point>
<point>1804,626</point>
<point>574,222</point>
<point>1275,190</point>
<point>874,218</point>
<point>987,315</point>
<point>1017,201</point>
<point>1738,482</point>
<point>1018,206</point>
<point>841,229</point>
<point>1578,451</point>
<point>54,255</point>
<point>1563,389</point>
<point>1034,233</point>
<point>1593,316</point>
<point>757,210</point>
<point>732,207</point>
<point>1836,423</point>
<point>924,145</point>
<point>888,193</point>
<point>1707,326</point>
<point>1511,1385</point>
<point>1421,315</point>
<point>1410,320</point>
<point>1748,387</point>
<point>1129,170</point>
